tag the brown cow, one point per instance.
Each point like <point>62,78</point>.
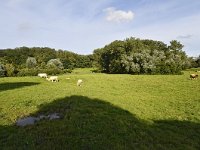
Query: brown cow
<point>193,76</point>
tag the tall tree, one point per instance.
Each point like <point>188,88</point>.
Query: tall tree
<point>31,62</point>
<point>198,61</point>
<point>175,46</point>
<point>142,56</point>
<point>55,63</point>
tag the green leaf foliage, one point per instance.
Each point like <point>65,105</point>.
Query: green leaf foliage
<point>31,62</point>
<point>24,61</point>
<point>2,70</point>
<point>136,56</point>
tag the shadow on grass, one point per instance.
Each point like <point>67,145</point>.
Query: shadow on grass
<point>94,124</point>
<point>14,85</point>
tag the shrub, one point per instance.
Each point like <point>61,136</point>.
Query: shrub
<point>28,72</point>
<point>55,71</point>
<point>10,70</point>
<point>2,70</point>
<point>31,62</point>
<point>52,71</point>
<point>34,72</point>
<point>55,64</point>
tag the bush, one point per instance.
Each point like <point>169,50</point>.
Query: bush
<point>10,70</point>
<point>55,64</point>
<point>28,72</point>
<point>67,71</point>
<point>96,70</point>
<point>55,71</point>
<point>34,72</point>
<point>31,62</point>
<point>2,71</point>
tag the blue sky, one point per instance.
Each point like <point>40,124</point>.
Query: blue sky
<point>84,25</point>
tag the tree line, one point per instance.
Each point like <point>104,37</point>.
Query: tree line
<point>129,56</point>
<point>24,61</point>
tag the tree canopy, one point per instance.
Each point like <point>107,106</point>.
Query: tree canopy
<point>20,59</point>
<point>130,56</point>
<point>136,56</point>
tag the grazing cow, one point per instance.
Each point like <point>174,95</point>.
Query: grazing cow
<point>193,76</point>
<point>53,78</point>
<point>79,82</point>
<point>42,75</point>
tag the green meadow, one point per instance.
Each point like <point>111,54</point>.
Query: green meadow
<point>109,111</point>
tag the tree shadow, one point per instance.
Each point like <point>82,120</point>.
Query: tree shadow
<point>14,85</point>
<point>95,124</point>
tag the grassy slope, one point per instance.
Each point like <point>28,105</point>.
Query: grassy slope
<point>108,111</point>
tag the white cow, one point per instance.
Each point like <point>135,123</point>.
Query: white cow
<point>42,75</point>
<point>79,82</point>
<point>53,78</point>
<point>193,76</point>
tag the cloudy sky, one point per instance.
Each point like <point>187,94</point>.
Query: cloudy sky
<point>84,25</point>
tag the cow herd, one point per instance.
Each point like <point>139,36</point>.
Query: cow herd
<point>55,78</point>
<point>80,81</point>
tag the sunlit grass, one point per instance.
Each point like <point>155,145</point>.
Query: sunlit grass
<point>148,98</point>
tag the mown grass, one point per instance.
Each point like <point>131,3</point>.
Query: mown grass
<point>106,112</point>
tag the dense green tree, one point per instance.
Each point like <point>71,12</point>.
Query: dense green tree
<point>142,56</point>
<point>2,70</point>
<point>175,46</point>
<point>198,61</point>
<point>55,63</point>
<point>67,58</point>
<point>10,70</point>
<point>18,57</point>
<point>31,62</point>
<point>83,61</point>
<point>96,58</point>
<point>132,55</point>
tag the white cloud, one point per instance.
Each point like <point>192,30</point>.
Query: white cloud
<point>114,15</point>
<point>188,36</point>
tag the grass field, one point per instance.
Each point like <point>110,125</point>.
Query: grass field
<point>106,112</point>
